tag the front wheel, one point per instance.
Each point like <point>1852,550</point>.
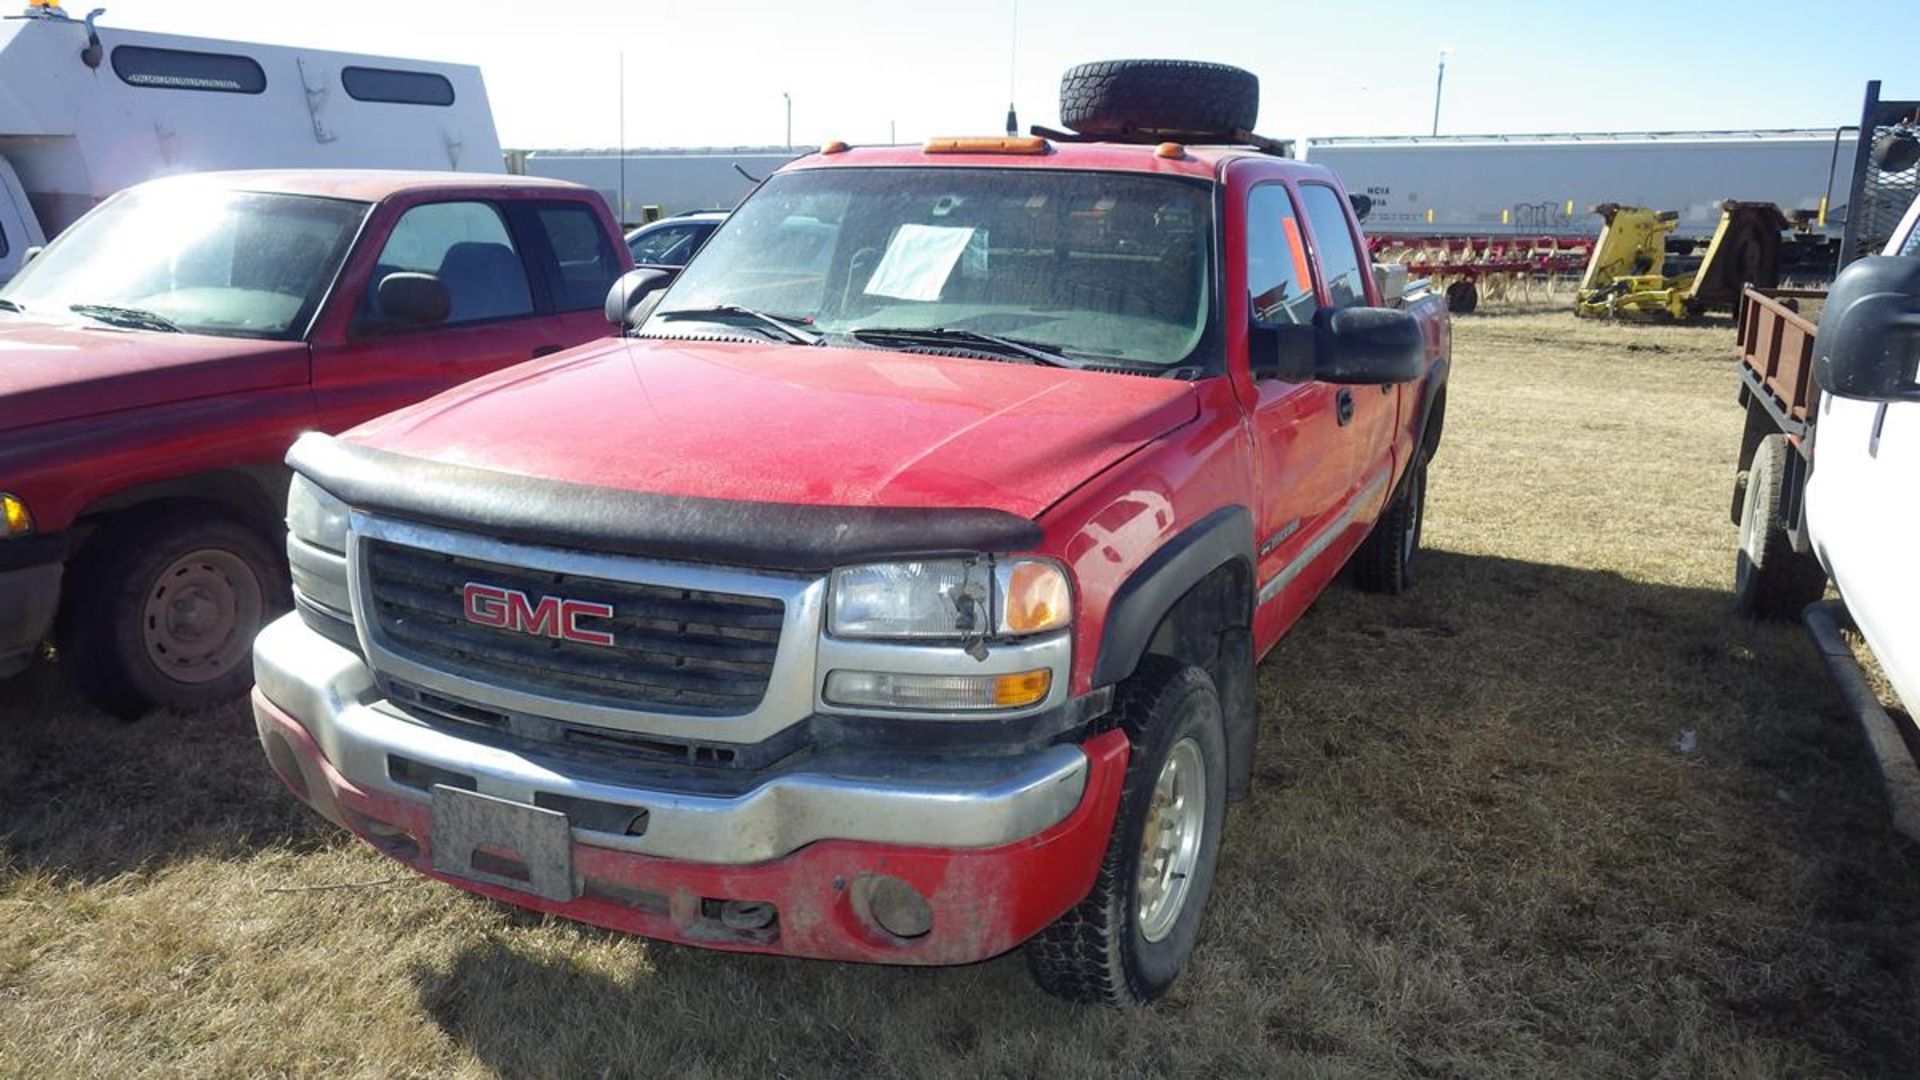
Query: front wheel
<point>166,609</point>
<point>1134,933</point>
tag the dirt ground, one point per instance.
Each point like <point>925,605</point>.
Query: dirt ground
<point>1553,813</point>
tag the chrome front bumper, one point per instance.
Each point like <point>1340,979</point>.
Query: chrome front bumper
<point>937,802</point>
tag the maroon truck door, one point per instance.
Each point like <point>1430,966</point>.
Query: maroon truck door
<point>512,300</point>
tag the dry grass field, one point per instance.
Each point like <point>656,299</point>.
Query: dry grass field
<point>1555,813</point>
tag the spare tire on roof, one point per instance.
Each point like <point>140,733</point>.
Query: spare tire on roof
<point>1119,98</point>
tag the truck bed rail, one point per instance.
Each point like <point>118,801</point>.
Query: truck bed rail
<point>1776,351</point>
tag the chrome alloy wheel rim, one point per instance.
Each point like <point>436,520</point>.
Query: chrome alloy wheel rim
<point>200,615</point>
<point>1170,843</point>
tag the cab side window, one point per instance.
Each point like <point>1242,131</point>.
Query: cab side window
<point>583,265</point>
<point>1279,284</point>
<point>467,246</point>
<point>1340,259</point>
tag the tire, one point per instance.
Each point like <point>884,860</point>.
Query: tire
<point>1384,563</point>
<point>1113,949</point>
<point>1770,579</point>
<point>1463,297</point>
<point>167,607</point>
<point>1163,97</point>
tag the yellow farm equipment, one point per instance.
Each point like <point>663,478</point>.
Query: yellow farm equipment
<point>1625,278</point>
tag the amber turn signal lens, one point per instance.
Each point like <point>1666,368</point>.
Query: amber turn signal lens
<point>1034,597</point>
<point>14,513</point>
<point>1025,688</point>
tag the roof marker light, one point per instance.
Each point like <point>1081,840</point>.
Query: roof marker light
<point>988,144</point>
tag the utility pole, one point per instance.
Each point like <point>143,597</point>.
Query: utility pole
<point>789,98</point>
<point>1439,83</point>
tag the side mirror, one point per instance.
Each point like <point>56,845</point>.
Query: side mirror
<point>31,254</point>
<point>413,299</point>
<point>1869,335</point>
<point>631,289</point>
<point>1281,351</point>
<point>1367,346</point>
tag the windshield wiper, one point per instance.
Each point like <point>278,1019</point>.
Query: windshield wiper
<point>10,305</point>
<point>135,318</point>
<point>787,327</point>
<point>941,335</point>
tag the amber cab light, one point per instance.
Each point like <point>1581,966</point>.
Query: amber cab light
<point>988,144</point>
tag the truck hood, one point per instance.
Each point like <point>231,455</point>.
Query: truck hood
<point>63,371</point>
<point>793,424</point>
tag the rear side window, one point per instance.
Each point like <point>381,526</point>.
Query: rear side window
<point>179,69</point>
<point>396,87</point>
<point>1279,284</point>
<point>583,256</point>
<point>1340,259</point>
<point>467,246</point>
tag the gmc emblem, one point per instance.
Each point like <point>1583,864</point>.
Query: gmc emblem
<point>553,616</point>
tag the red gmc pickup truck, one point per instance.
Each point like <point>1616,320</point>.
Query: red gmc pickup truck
<point>157,360</point>
<point>892,591</point>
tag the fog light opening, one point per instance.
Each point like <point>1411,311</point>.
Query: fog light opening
<point>285,762</point>
<point>746,914</point>
<point>897,907</point>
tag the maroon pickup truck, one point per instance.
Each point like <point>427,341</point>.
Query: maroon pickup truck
<point>892,590</point>
<point>157,360</point>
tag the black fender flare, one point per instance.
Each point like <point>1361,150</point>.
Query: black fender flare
<point>1222,538</point>
<point>1162,579</point>
<point>1431,388</point>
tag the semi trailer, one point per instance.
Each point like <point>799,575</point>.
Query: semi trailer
<point>88,110</point>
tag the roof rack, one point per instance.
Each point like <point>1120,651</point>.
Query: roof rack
<point>1150,136</point>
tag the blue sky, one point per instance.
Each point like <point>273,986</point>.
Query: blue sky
<point>712,72</point>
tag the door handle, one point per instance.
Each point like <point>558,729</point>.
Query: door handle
<point>545,350</point>
<point>1343,406</point>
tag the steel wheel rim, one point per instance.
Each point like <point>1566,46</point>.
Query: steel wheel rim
<point>1751,529</point>
<point>199,615</point>
<point>1170,840</point>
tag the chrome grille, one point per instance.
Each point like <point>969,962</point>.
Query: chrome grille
<point>674,649</point>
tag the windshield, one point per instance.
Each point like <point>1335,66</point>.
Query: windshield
<point>1092,265</point>
<point>200,259</point>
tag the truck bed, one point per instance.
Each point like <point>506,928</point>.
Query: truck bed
<point>1775,338</point>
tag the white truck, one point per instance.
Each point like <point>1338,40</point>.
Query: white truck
<point>1863,494</point>
<point>87,110</point>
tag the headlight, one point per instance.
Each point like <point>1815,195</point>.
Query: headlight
<point>315,516</point>
<point>316,547</point>
<point>949,598</point>
<point>14,516</point>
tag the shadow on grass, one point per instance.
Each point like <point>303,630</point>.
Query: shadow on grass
<point>86,797</point>
<point>1526,817</point>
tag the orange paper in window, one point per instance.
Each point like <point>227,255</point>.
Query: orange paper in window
<point>1299,252</point>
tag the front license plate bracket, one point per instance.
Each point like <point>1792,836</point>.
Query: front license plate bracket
<point>501,842</point>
